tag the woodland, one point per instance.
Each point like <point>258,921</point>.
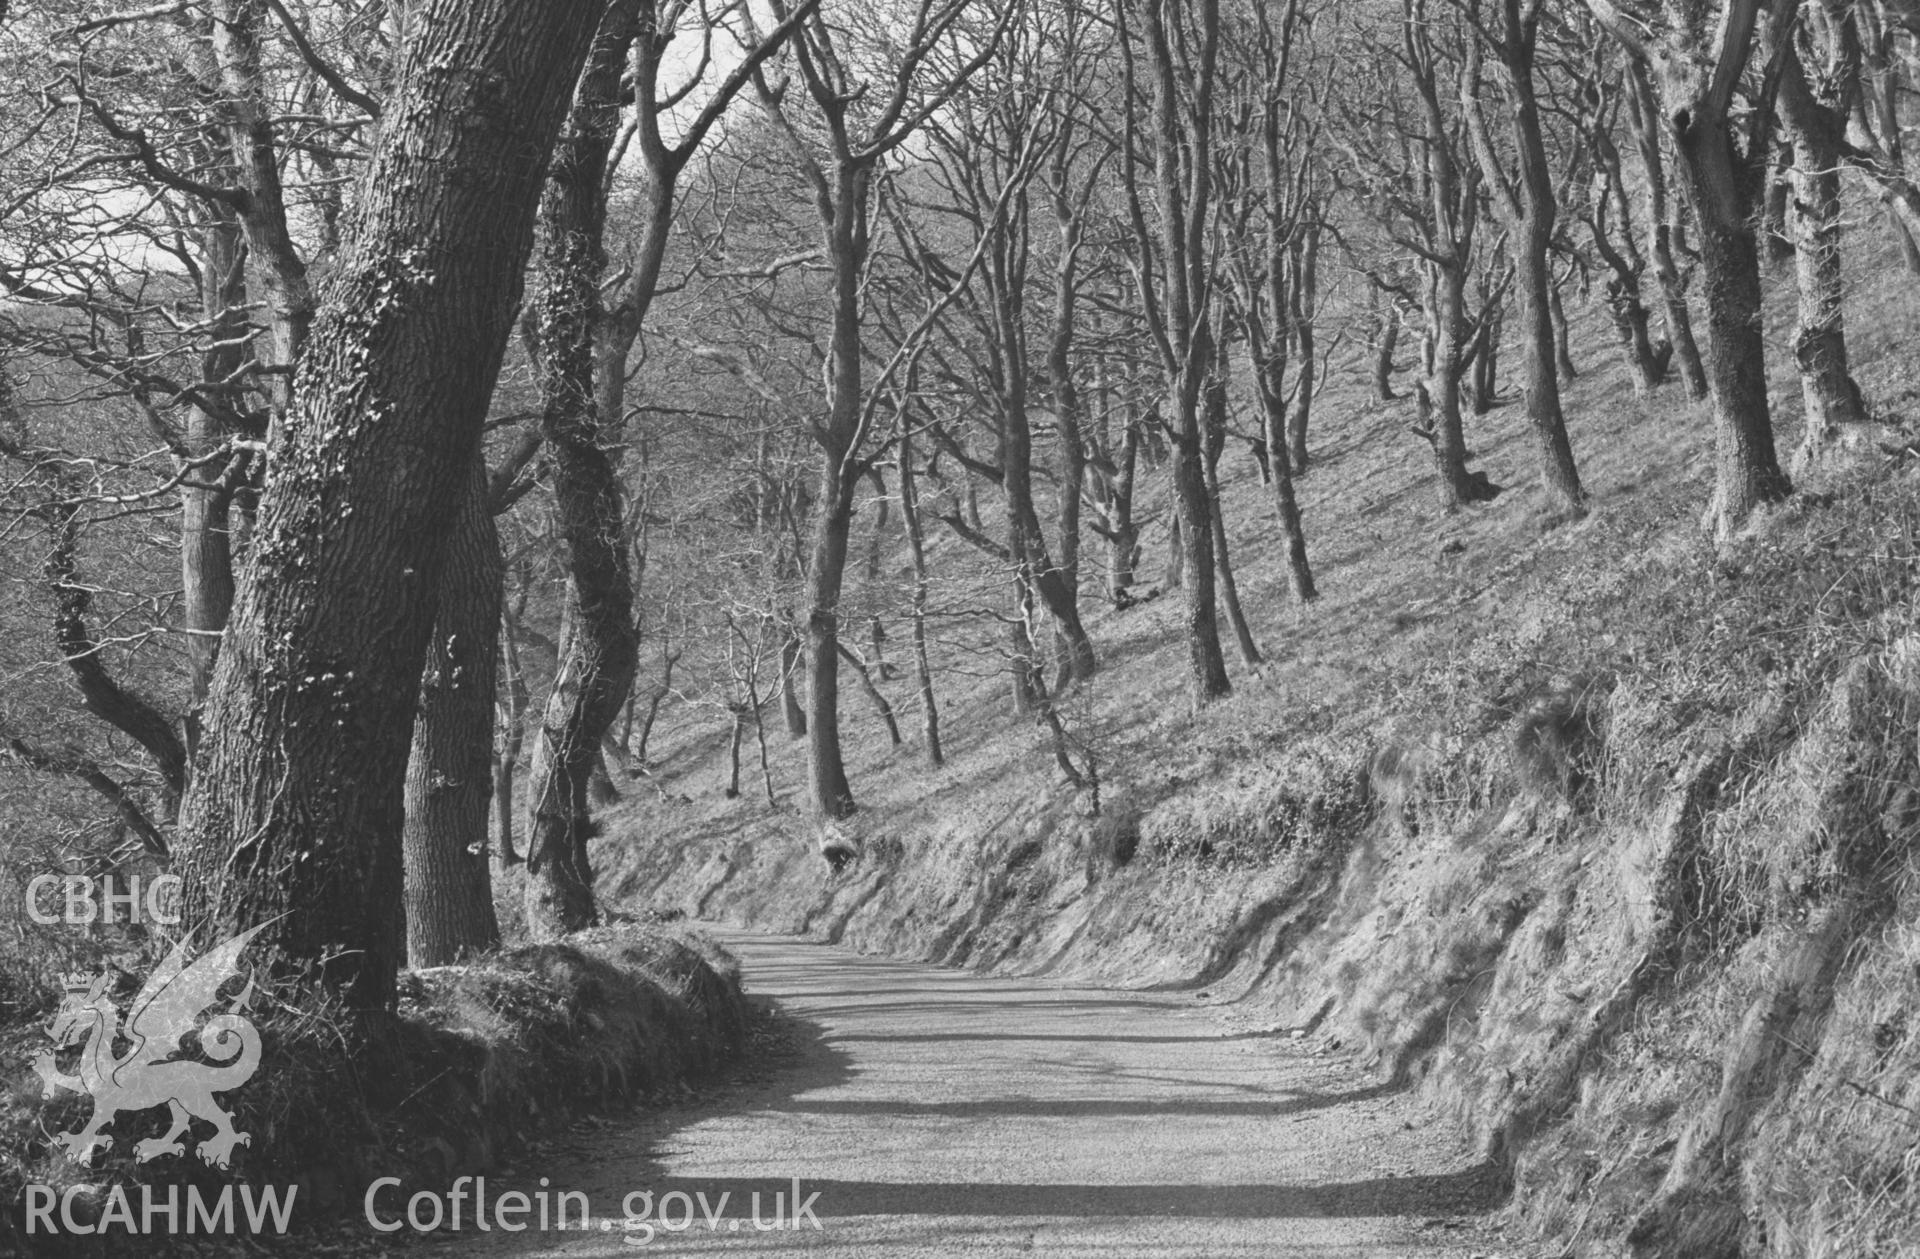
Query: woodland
<point>410,407</point>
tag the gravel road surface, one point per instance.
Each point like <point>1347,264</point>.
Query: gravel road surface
<point>931,1112</point>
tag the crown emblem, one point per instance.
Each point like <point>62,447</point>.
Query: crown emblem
<point>78,980</point>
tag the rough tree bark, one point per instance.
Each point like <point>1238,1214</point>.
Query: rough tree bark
<point>600,655</point>
<point>1816,129</point>
<point>586,333</point>
<point>1722,186</point>
<point>1663,228</point>
<point>315,685</point>
<point>449,772</point>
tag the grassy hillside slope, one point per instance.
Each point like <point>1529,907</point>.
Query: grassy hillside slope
<point>1603,837</point>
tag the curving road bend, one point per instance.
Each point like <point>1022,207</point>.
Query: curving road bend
<point>937,1112</point>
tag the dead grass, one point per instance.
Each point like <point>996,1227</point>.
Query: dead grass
<point>479,1060</point>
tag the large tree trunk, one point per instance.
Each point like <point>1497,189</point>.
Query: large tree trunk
<point>1558,476</point>
<point>1181,93</point>
<point>595,672</point>
<point>1834,405</point>
<point>1446,320</point>
<point>449,773</point>
<point>1747,465</point>
<point>1720,184</point>
<point>294,819</point>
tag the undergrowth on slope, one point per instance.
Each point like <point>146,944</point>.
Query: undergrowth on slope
<point>1596,970</point>
<point>477,1060</point>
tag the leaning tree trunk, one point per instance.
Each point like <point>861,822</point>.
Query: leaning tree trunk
<point>1663,227</point>
<point>449,774</point>
<point>599,658</point>
<point>1558,474</point>
<point>1747,467</point>
<point>316,680</point>
<point>790,710</point>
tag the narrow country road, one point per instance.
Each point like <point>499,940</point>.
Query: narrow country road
<point>937,1112</point>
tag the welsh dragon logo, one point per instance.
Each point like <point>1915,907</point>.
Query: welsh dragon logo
<point>149,1074</point>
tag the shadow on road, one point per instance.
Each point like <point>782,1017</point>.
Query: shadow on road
<point>1472,1189</point>
<point>1040,1108</point>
